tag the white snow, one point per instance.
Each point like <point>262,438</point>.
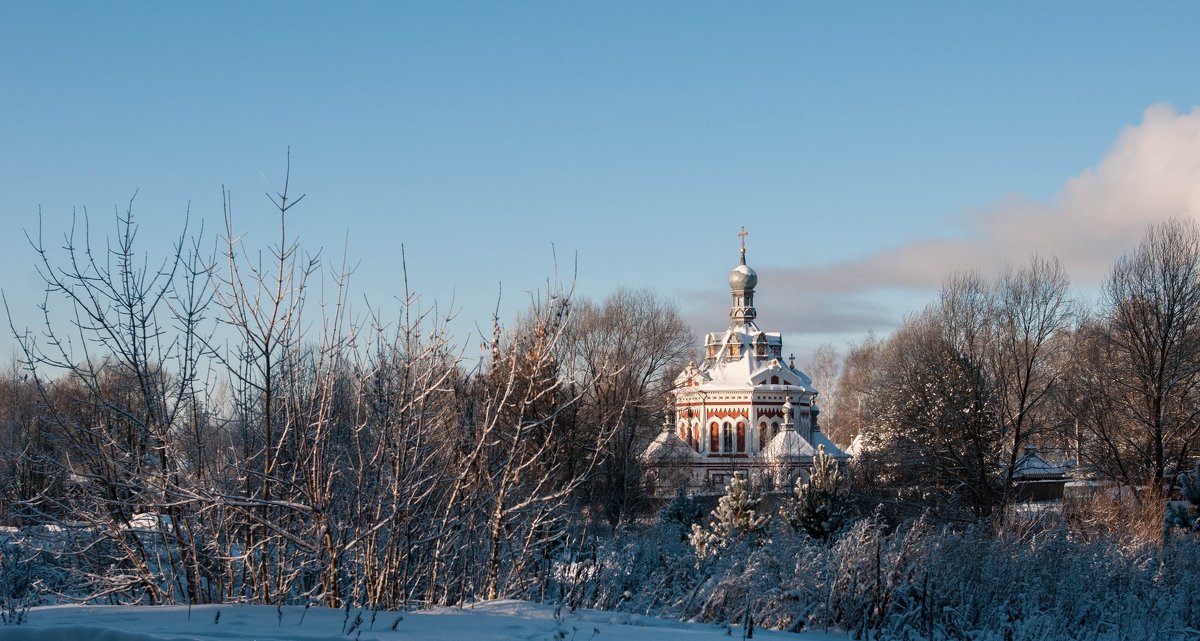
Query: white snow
<point>498,620</point>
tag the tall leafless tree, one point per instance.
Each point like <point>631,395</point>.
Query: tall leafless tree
<point>622,355</point>
<point>1030,314</point>
<point>1152,304</point>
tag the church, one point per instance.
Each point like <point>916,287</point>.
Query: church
<point>742,410</point>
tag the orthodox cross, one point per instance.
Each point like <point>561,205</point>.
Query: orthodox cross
<point>743,234</point>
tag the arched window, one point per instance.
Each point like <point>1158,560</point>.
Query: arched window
<point>741,437</point>
<point>695,441</point>
<point>728,437</point>
<point>762,435</point>
<point>774,428</point>
<point>714,439</point>
<point>774,380</point>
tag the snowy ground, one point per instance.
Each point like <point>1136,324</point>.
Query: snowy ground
<point>498,620</point>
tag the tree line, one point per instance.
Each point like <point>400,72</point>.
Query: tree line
<point>945,406</point>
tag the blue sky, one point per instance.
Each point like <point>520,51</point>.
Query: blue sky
<point>636,137</point>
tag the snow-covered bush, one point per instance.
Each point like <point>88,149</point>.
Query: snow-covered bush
<point>1186,514</point>
<point>16,585</point>
<point>924,583</point>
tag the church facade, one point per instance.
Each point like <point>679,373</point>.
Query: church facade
<point>742,410</point>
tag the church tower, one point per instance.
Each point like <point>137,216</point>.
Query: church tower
<point>742,281</point>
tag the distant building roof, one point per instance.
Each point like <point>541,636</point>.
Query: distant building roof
<point>1032,467</point>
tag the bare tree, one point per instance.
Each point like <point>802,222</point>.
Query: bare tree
<point>262,299</point>
<point>1092,414</point>
<point>622,355</point>
<point>128,361</point>
<point>1152,302</point>
<point>851,409</point>
<point>825,367</point>
<point>30,456</point>
<point>1031,309</point>
<point>937,418</point>
<point>509,505</point>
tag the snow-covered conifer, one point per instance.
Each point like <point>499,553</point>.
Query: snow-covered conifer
<point>820,507</point>
<point>683,512</point>
<point>735,519</point>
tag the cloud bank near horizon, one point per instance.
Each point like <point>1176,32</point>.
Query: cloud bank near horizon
<point>1151,173</point>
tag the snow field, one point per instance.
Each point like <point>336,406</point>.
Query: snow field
<point>489,621</point>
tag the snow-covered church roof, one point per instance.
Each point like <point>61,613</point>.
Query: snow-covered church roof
<point>788,446</point>
<point>820,439</point>
<point>667,447</point>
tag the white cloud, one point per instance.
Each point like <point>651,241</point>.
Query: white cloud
<point>1152,172</point>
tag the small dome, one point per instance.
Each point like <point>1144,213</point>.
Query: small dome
<point>788,447</point>
<point>742,277</point>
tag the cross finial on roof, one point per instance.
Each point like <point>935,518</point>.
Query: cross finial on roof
<point>743,234</point>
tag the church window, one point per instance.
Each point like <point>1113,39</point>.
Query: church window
<point>774,429</point>
<point>741,437</point>
<point>728,437</point>
<point>714,444</point>
<point>774,380</point>
<point>760,350</point>
<point>762,435</point>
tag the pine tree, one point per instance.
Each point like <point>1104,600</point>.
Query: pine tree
<point>821,506</point>
<point>734,520</point>
<point>683,512</point>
